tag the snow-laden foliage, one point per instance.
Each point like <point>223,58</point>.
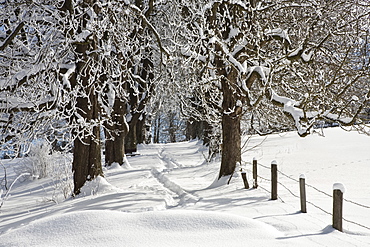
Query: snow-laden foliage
<point>57,53</point>
<point>288,63</point>
<point>72,68</point>
<point>280,65</point>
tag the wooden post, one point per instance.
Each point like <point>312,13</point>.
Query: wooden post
<point>274,180</point>
<point>255,185</point>
<point>338,190</point>
<point>244,176</point>
<point>302,190</point>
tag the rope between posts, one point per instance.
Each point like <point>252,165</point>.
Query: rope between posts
<point>312,187</point>
<point>352,222</point>
<point>311,203</point>
<point>281,199</point>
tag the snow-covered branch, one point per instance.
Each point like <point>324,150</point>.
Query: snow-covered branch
<point>296,113</point>
<point>11,36</point>
<point>135,9</point>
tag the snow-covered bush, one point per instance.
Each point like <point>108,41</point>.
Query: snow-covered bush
<point>61,176</point>
<point>41,162</point>
<point>37,162</point>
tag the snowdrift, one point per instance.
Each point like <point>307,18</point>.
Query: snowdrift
<point>170,228</point>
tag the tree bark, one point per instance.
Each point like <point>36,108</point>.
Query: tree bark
<point>131,139</point>
<point>142,129</point>
<point>115,134</point>
<point>172,126</point>
<point>231,142</point>
<point>157,126</point>
<point>231,117</point>
<point>86,163</point>
<point>139,100</point>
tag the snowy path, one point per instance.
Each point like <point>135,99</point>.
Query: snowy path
<point>169,179</point>
<point>184,196</point>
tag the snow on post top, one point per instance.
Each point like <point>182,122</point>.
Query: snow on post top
<point>254,158</point>
<point>302,176</point>
<point>339,186</point>
<point>274,162</point>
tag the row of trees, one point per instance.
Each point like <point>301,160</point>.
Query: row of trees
<point>280,63</point>
<point>77,71</point>
<point>71,70</point>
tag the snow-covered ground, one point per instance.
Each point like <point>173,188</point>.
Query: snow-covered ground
<point>168,198</point>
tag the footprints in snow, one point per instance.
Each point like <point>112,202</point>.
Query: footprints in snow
<point>182,195</point>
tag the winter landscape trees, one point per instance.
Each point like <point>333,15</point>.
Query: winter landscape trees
<point>74,67</point>
<point>87,72</point>
<point>280,63</point>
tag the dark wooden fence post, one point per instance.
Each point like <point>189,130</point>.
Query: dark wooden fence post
<point>274,180</point>
<point>338,190</point>
<point>245,180</point>
<point>302,190</point>
<point>255,185</point>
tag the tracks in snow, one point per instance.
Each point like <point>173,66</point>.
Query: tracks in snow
<point>170,164</point>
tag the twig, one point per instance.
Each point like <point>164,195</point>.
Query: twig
<point>10,188</point>
<point>5,177</point>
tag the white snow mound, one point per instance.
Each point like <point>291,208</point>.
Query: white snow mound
<point>98,186</point>
<point>160,228</point>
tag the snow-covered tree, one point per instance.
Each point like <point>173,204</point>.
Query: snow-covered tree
<point>286,63</point>
<point>68,66</point>
<point>168,123</point>
<point>141,85</point>
<point>30,46</point>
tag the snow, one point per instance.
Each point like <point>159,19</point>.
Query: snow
<point>170,196</point>
<point>339,186</point>
<point>228,55</point>
<point>98,186</point>
<point>290,107</point>
<point>70,69</point>
<point>283,34</point>
<point>233,33</point>
<point>261,70</point>
<point>306,56</point>
<point>81,37</point>
<point>296,51</point>
<point>113,228</point>
<point>355,98</point>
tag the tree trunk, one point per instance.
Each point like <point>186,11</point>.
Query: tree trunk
<point>115,134</point>
<point>141,130</point>
<point>192,127</point>
<point>231,116</point>
<point>157,126</point>
<point>172,128</point>
<point>115,149</point>
<point>231,149</point>
<point>131,140</point>
<point>86,163</point>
